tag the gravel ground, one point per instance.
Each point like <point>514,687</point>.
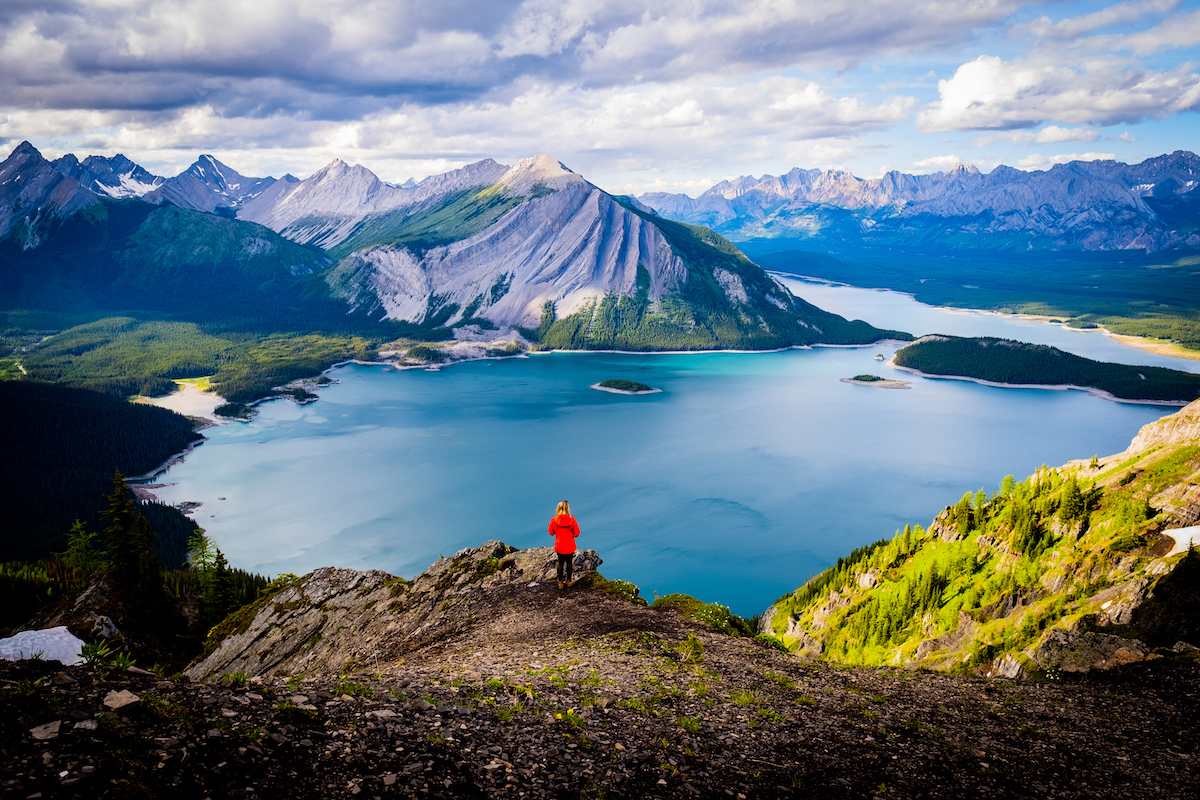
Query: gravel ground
<point>573,694</point>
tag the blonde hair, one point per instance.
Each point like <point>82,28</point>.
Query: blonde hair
<point>564,508</point>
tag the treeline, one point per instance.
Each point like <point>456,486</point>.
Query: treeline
<point>122,356</point>
<point>59,452</point>
<point>179,605</point>
<point>983,566</point>
<point>1008,361</point>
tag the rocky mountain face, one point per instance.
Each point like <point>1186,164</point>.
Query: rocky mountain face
<point>486,250</point>
<point>1083,205</point>
<point>1081,567</point>
<point>115,177</point>
<point>324,209</point>
<point>208,185</point>
<point>34,195</point>
<point>535,246</point>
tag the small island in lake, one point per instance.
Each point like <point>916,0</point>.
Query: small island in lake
<point>876,381</point>
<point>1005,362</point>
<point>622,386</point>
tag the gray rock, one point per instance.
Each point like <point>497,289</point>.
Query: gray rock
<point>1080,651</point>
<point>46,732</point>
<point>122,700</point>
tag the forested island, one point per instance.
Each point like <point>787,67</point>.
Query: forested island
<point>622,386</point>
<point>1006,361</point>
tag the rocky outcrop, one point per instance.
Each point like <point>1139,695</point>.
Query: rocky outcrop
<point>33,195</point>
<point>1080,651</point>
<point>335,618</point>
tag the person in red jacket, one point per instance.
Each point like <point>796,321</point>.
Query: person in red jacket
<point>564,529</point>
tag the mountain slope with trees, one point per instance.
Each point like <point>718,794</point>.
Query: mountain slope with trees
<point>1072,568</point>
<point>61,448</point>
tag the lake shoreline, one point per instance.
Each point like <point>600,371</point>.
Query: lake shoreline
<point>1056,387</point>
<point>1157,347</point>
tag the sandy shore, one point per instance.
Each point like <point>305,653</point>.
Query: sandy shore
<point>610,390</point>
<point>1155,346</point>
<point>1058,387</point>
<point>191,399</point>
<point>884,384</point>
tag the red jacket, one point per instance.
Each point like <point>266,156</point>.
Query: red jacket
<point>564,529</point>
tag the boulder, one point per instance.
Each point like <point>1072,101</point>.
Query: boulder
<point>123,700</point>
<point>1080,651</point>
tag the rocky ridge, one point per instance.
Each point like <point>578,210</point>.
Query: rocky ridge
<point>517,689</point>
<point>1084,205</point>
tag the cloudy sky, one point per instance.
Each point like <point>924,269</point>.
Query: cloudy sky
<point>638,96</point>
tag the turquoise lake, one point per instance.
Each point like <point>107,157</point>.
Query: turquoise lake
<point>748,474</point>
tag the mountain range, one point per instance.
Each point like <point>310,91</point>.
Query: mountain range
<point>1082,205</point>
<point>487,247</point>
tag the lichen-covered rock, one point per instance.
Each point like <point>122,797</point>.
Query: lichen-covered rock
<point>1080,651</point>
<point>335,618</point>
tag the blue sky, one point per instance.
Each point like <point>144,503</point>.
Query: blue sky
<point>637,96</point>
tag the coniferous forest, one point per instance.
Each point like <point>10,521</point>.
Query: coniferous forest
<point>1007,361</point>
<point>60,451</point>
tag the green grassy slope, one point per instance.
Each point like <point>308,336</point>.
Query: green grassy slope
<point>450,218</point>
<point>1007,361</point>
<point>996,574</point>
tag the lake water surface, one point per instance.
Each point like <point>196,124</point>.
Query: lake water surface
<point>745,476</point>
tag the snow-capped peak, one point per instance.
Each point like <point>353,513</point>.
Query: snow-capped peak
<point>541,170</point>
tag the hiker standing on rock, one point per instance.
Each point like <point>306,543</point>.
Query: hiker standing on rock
<point>564,529</point>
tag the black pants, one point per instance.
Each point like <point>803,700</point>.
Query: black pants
<point>566,561</point>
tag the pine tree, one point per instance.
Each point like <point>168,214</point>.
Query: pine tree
<point>1072,506</point>
<point>220,598</point>
<point>119,534</point>
<point>81,554</point>
<point>136,569</point>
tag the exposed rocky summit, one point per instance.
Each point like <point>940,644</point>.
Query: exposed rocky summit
<point>337,617</point>
<point>482,679</point>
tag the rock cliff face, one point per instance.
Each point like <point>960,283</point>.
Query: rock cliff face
<point>208,185</point>
<point>570,247</point>
<point>324,209</point>
<point>1094,205</point>
<point>33,194</point>
<point>1082,567</point>
<point>334,618</point>
<point>115,177</point>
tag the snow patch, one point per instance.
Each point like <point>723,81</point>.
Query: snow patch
<point>50,644</point>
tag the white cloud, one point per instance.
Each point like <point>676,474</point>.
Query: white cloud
<point>1116,14</point>
<point>1176,31</point>
<point>989,92</point>
<point>934,164</point>
<point>1052,134</point>
<point>1036,161</point>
